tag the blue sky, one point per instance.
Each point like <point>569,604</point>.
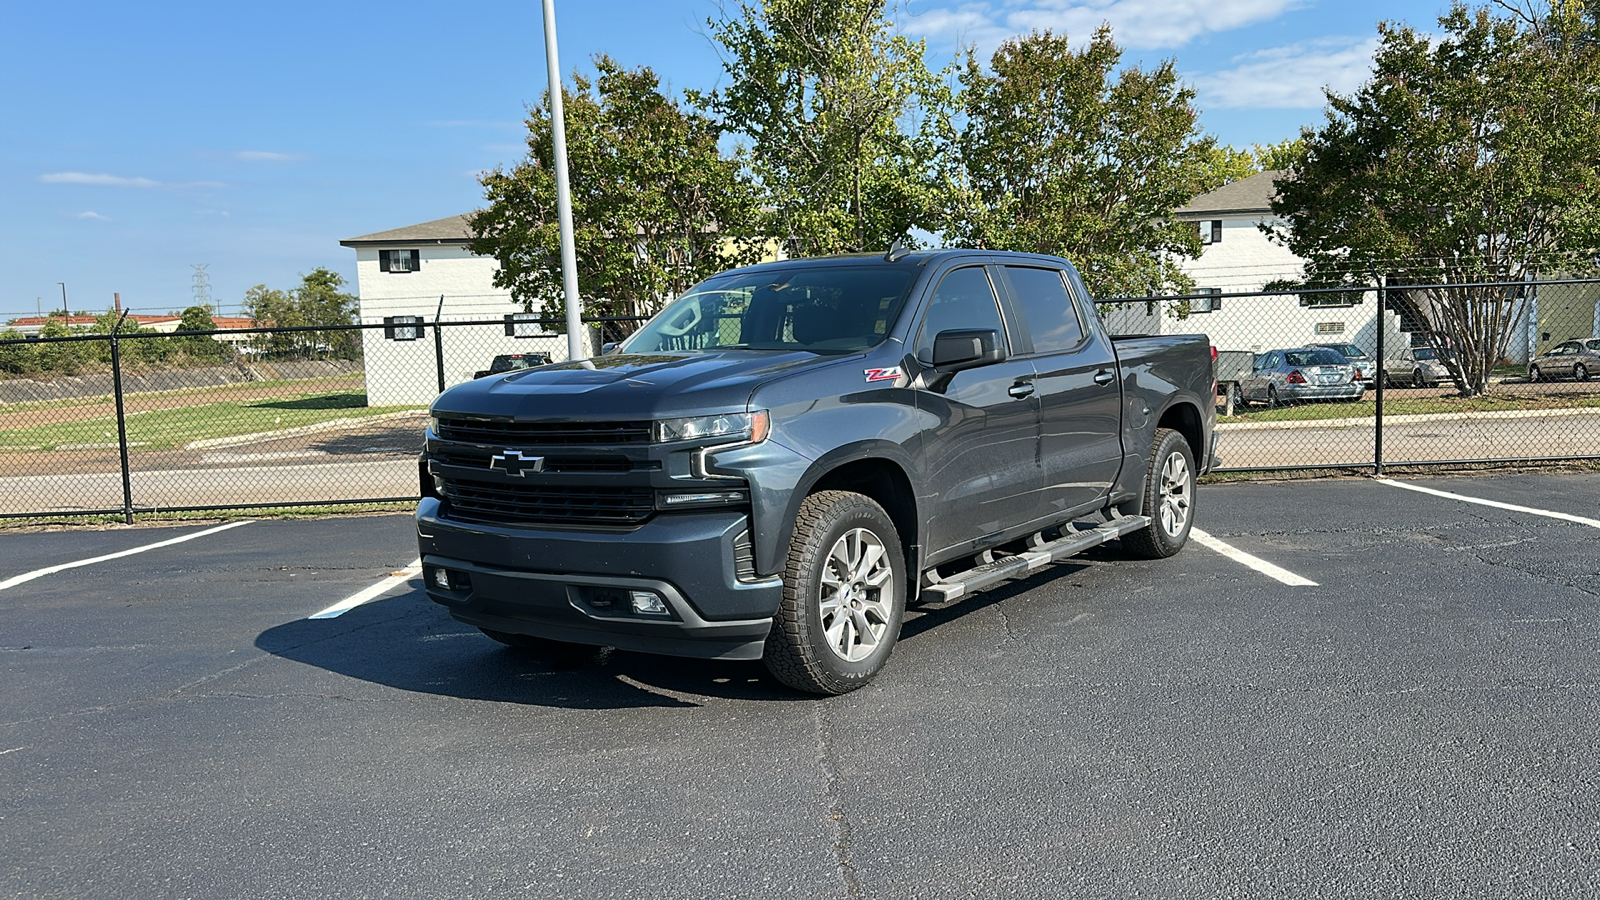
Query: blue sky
<point>137,140</point>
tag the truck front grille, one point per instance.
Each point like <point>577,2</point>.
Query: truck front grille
<point>534,434</point>
<point>475,458</point>
<point>509,504</point>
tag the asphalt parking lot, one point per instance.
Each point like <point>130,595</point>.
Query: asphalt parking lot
<point>1421,719</point>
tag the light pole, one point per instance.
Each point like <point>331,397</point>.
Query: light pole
<point>64,310</point>
<point>558,144</point>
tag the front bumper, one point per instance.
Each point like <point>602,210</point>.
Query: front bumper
<point>574,586</point>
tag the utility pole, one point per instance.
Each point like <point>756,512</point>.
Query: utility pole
<point>64,308</point>
<point>558,142</point>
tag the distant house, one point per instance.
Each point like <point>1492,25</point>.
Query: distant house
<point>31,326</point>
<point>401,277</point>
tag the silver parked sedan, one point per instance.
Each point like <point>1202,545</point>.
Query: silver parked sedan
<point>1575,359</point>
<point>1301,373</point>
<point>1366,366</point>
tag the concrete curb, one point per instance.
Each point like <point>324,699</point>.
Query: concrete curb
<point>1405,420</point>
<point>260,437</point>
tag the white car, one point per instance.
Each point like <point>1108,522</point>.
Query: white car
<point>1415,366</point>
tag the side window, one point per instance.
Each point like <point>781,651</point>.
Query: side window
<point>1050,314</point>
<point>964,299</point>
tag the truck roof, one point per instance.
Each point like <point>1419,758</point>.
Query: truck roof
<point>912,259</point>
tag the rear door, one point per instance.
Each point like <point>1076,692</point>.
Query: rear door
<point>980,451</point>
<point>1075,373</point>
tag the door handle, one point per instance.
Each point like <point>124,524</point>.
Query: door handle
<point>1104,376</point>
<point>1021,389</point>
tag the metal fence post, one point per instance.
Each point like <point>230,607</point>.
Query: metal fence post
<point>1377,429</point>
<point>122,420</point>
<point>438,343</point>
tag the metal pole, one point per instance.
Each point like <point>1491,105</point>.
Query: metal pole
<point>558,143</point>
<point>122,421</point>
<point>1377,431</point>
<point>438,342</point>
<point>64,310</point>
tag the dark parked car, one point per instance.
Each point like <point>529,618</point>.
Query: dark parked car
<point>1578,359</point>
<point>511,362</point>
<point>1366,365</point>
<point>1301,373</point>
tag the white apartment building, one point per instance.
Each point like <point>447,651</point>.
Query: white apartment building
<point>401,277</point>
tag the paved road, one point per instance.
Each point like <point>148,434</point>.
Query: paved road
<point>1423,722</point>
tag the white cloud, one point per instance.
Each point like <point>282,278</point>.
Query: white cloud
<point>103,180</point>
<point>1291,77</point>
<point>98,180</point>
<point>91,214</point>
<point>1136,24</point>
<point>267,156</point>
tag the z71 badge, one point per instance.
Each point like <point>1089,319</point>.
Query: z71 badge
<point>890,374</point>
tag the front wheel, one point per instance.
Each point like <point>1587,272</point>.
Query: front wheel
<point>1418,379</point>
<point>1168,499</point>
<point>1533,374</point>
<point>1579,372</point>
<point>844,595</point>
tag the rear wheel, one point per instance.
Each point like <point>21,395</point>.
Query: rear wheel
<point>1580,372</point>
<point>844,595</point>
<point>1168,499</point>
<point>1418,379</point>
<point>1533,373</point>
<point>1235,400</point>
<point>1272,397</point>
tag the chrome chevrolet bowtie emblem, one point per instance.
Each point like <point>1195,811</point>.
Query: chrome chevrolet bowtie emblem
<point>515,464</point>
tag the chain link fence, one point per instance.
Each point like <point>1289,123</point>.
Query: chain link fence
<point>129,424</point>
<point>1355,378</point>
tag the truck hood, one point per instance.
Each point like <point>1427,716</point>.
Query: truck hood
<point>627,386</point>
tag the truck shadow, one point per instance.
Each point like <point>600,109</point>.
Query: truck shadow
<point>408,643</point>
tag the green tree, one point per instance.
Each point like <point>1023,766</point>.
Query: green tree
<point>1224,164</point>
<point>843,118</point>
<point>200,348</point>
<point>1465,159</point>
<point>320,302</point>
<point>316,301</point>
<point>656,206</point>
<point>1065,154</point>
<point>1281,155</point>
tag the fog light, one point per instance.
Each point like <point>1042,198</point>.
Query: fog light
<point>441,579</point>
<point>647,603</point>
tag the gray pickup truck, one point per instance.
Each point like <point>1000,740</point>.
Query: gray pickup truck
<point>785,457</point>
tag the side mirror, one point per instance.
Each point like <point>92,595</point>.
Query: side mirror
<point>967,348</point>
<point>609,347</point>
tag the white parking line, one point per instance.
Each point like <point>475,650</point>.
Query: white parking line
<point>370,594</point>
<point>1565,517</point>
<point>1255,562</point>
<point>40,573</point>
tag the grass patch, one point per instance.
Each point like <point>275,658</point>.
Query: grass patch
<point>197,517</point>
<point>1408,406</point>
<point>353,379</point>
<point>165,429</point>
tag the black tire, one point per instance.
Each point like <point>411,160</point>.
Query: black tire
<point>1169,487</point>
<point>1533,374</point>
<point>836,643</point>
<point>1235,399</point>
<point>1418,380</point>
<point>1580,372</point>
<point>558,652</point>
<point>1272,397</point>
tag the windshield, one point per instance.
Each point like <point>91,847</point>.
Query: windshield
<point>828,309</point>
<point>1313,358</point>
<point>1424,353</point>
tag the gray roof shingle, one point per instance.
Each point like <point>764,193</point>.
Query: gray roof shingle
<point>450,230</point>
<point>1247,195</point>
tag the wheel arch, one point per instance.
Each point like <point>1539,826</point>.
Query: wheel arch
<point>872,472</point>
<point>1184,418</point>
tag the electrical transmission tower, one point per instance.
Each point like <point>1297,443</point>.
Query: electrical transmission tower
<point>202,287</point>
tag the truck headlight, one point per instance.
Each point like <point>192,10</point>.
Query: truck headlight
<point>751,426</point>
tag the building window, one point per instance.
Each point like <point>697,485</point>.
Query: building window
<point>1210,232</point>
<point>402,328</point>
<point>1211,302</point>
<point>399,262</point>
<point>1330,328</point>
<point>523,325</point>
<point>1332,298</point>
